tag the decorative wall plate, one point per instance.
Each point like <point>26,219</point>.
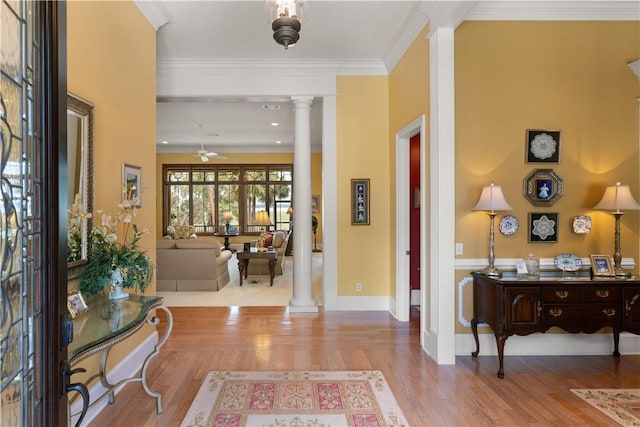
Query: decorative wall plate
<point>568,262</point>
<point>508,225</point>
<point>582,224</point>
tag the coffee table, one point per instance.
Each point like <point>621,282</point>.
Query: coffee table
<point>244,257</point>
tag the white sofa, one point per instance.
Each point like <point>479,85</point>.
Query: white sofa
<point>191,265</point>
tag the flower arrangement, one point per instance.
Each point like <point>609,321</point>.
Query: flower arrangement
<point>75,215</point>
<point>114,245</point>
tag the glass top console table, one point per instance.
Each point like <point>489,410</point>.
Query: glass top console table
<point>105,324</point>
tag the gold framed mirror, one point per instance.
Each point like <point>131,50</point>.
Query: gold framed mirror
<point>80,140</point>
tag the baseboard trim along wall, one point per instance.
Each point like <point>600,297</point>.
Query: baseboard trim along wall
<point>127,368</point>
<point>367,303</point>
<point>539,344</point>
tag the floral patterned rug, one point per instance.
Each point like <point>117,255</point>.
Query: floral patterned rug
<point>622,405</point>
<point>294,398</point>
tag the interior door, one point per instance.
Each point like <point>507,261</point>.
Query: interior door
<point>33,286</point>
<point>414,209</point>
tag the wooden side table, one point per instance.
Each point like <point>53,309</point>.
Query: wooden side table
<point>244,257</point>
<point>226,236</point>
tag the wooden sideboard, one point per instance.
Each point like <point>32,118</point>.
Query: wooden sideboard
<point>512,306</point>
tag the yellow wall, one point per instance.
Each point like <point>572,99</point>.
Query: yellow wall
<point>408,100</point>
<point>111,63</point>
<point>570,76</point>
<point>241,158</point>
<point>363,152</point>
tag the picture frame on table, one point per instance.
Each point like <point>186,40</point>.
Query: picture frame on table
<point>543,146</point>
<point>602,265</point>
<point>132,184</point>
<point>543,187</point>
<point>76,304</point>
<point>543,227</point>
<point>360,201</point>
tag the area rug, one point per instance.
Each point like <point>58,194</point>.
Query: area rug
<point>622,405</point>
<point>294,398</point>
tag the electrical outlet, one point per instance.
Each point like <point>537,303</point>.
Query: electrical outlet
<point>358,287</point>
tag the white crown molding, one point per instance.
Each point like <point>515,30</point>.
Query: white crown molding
<point>236,66</point>
<point>154,11</point>
<point>555,11</point>
<point>635,67</point>
<point>410,30</point>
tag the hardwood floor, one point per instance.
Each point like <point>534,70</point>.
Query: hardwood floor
<point>534,392</point>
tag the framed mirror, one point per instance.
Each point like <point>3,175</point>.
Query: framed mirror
<point>80,122</point>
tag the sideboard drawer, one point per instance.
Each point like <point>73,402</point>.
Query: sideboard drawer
<point>602,294</point>
<point>581,317</point>
<point>562,294</point>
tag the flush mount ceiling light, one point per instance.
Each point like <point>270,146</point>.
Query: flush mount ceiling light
<point>285,17</point>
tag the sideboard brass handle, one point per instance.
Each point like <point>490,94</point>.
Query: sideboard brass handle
<point>562,294</point>
<point>609,312</point>
<point>602,294</point>
<point>539,308</point>
<point>627,308</point>
<point>555,312</point>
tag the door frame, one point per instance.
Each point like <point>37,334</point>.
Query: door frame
<point>403,293</point>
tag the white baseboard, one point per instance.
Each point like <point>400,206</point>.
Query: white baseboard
<point>381,303</point>
<point>539,344</point>
<point>127,368</point>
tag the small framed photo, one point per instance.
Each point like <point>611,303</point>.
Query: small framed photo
<point>543,146</point>
<point>76,304</point>
<point>543,187</point>
<point>315,203</point>
<point>132,184</point>
<point>543,227</point>
<point>602,265</point>
<point>360,201</point>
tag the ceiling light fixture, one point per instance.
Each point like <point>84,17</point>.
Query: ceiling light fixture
<point>274,123</point>
<point>285,16</point>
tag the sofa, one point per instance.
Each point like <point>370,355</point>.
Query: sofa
<point>191,265</point>
<point>279,240</point>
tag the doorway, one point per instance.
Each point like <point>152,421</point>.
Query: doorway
<point>406,199</point>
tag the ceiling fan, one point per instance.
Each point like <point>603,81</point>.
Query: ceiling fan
<point>203,154</point>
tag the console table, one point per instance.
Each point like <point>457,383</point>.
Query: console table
<point>105,324</point>
<point>244,257</point>
<point>512,306</point>
<point>226,236</point>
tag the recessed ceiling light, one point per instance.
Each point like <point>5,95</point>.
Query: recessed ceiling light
<point>165,142</point>
<point>271,107</point>
<point>278,142</point>
<point>275,123</point>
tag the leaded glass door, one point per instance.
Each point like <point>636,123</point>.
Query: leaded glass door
<point>30,273</point>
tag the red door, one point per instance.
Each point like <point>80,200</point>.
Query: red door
<point>414,209</point>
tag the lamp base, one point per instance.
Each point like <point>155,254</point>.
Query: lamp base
<point>491,272</point>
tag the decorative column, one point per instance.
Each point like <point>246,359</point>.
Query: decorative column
<point>302,300</point>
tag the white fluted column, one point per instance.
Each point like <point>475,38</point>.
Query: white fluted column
<point>302,300</point>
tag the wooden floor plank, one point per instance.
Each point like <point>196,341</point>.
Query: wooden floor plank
<point>534,392</point>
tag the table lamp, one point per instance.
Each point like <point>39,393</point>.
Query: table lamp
<point>262,219</point>
<point>491,200</point>
<point>290,213</point>
<point>617,197</point>
<point>227,216</point>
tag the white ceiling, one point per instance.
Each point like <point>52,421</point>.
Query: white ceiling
<point>371,32</point>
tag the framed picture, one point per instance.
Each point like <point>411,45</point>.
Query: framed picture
<point>543,227</point>
<point>76,304</point>
<point>360,201</point>
<point>602,265</point>
<point>543,146</point>
<point>543,187</point>
<point>315,203</point>
<point>132,184</point>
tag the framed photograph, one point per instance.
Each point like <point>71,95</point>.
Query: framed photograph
<point>543,227</point>
<point>543,146</point>
<point>132,184</point>
<point>602,265</point>
<point>360,201</point>
<point>315,203</point>
<point>76,304</point>
<point>543,187</point>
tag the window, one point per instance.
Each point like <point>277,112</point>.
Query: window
<point>210,196</point>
